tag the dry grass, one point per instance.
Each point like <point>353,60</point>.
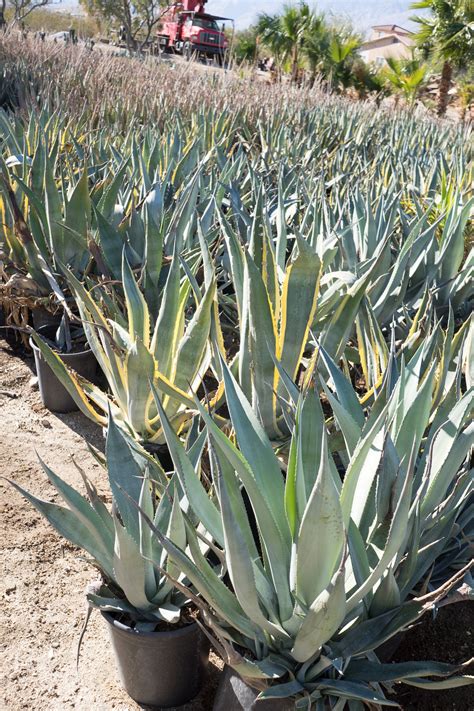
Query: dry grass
<point>115,88</point>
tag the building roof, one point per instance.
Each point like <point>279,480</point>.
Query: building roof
<point>393,29</point>
<point>384,42</point>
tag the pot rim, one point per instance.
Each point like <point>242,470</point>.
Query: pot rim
<point>179,632</point>
<point>143,443</point>
<point>61,355</point>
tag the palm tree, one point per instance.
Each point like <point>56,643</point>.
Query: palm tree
<point>446,34</point>
<point>284,34</point>
<point>342,52</point>
<point>406,76</point>
<point>317,39</point>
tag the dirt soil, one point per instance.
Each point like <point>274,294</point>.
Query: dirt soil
<point>448,637</point>
<point>43,579</point>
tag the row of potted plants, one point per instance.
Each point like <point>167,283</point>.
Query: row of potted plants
<point>299,567</point>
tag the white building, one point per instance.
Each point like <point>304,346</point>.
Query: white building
<point>387,41</point>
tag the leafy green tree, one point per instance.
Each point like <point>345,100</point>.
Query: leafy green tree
<point>23,8</point>
<point>447,35</point>
<point>366,79</point>
<point>466,94</point>
<point>246,45</point>
<point>138,18</point>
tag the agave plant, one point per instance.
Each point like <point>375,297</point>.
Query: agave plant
<point>279,303</point>
<point>173,353</point>
<point>79,200</point>
<point>134,568</point>
<point>324,568</point>
<point>341,272</point>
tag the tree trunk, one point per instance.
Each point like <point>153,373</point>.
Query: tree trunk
<point>3,22</point>
<point>444,87</point>
<point>127,24</point>
<point>294,67</point>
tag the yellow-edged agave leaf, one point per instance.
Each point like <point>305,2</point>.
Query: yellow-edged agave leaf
<point>139,371</point>
<point>300,291</point>
<point>373,349</point>
<point>262,335</point>
<point>137,309</point>
<point>129,365</point>
<point>194,344</point>
<point>98,331</point>
<point>169,325</point>
<point>275,319</point>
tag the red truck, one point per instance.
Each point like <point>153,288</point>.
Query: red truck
<point>186,28</point>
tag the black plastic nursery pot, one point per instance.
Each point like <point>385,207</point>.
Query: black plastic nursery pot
<point>160,668</point>
<point>158,451</point>
<point>235,694</point>
<point>161,453</point>
<point>41,317</point>
<point>54,395</point>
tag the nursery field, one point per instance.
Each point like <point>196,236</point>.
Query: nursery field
<point>236,393</point>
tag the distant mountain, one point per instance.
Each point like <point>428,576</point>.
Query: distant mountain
<point>362,13</point>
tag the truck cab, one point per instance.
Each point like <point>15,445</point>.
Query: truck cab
<point>187,29</point>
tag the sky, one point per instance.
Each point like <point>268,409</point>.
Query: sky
<point>362,13</point>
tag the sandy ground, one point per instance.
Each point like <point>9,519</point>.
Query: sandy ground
<point>42,578</point>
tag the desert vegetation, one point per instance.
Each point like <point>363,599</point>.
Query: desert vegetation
<point>274,284</point>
